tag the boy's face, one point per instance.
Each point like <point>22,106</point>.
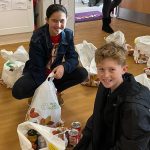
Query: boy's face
<point>110,73</point>
<point>57,23</point>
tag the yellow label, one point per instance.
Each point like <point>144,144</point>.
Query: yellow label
<point>52,147</point>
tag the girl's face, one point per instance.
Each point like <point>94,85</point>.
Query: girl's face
<point>57,23</point>
<point>110,73</point>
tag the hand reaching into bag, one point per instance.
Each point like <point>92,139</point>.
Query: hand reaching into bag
<point>58,72</point>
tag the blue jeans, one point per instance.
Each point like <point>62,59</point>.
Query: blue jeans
<point>26,86</point>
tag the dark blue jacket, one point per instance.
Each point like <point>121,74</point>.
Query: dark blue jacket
<point>40,50</point>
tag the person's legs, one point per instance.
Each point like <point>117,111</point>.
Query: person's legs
<point>106,8</point>
<point>71,79</point>
<point>106,16</point>
<point>115,3</point>
<point>91,3</point>
<point>24,87</point>
<point>99,2</point>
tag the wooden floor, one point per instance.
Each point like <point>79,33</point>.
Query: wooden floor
<point>79,99</point>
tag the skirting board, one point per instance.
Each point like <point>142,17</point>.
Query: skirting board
<point>15,38</point>
<point>133,16</point>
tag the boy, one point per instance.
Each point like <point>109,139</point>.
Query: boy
<point>121,116</point>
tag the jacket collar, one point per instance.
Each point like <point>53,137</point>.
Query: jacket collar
<point>63,38</point>
<point>132,91</point>
<point>47,36</point>
<point>129,86</point>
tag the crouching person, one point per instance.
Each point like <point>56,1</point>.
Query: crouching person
<point>121,116</point>
<point>51,50</point>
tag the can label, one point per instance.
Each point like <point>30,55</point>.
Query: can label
<point>73,137</point>
<point>33,137</point>
<point>76,125</point>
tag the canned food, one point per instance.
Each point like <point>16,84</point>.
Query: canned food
<point>41,142</point>
<point>76,125</point>
<point>73,137</point>
<point>33,137</point>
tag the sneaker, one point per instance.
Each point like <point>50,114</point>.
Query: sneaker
<point>60,99</point>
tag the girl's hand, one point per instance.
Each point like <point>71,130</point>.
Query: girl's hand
<point>58,72</point>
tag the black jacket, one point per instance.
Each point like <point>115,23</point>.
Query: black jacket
<point>130,128</point>
<point>40,51</point>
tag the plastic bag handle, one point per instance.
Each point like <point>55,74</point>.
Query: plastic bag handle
<point>50,76</point>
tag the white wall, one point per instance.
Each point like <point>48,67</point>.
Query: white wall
<point>69,4</point>
<point>16,21</point>
<point>16,25</point>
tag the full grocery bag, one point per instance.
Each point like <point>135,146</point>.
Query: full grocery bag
<point>44,108</point>
<point>13,67</point>
<point>53,142</point>
<point>86,53</point>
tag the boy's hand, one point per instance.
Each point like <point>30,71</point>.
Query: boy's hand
<point>58,72</point>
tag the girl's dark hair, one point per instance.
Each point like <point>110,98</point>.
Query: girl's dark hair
<point>55,8</point>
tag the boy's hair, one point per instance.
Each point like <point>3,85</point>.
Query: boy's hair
<point>55,8</point>
<point>111,50</point>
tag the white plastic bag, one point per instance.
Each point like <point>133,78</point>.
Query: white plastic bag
<point>11,72</point>
<point>86,53</point>
<point>142,49</point>
<point>148,62</point>
<point>13,67</point>
<point>44,108</point>
<point>143,79</point>
<point>116,37</point>
<point>53,141</point>
<point>119,39</point>
<point>19,55</point>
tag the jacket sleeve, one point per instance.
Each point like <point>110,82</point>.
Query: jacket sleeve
<point>87,135</point>
<point>71,56</point>
<point>135,124</point>
<point>37,61</point>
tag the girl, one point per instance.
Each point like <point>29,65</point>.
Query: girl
<point>51,50</point>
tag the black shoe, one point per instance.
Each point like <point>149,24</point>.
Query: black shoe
<point>106,27</point>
